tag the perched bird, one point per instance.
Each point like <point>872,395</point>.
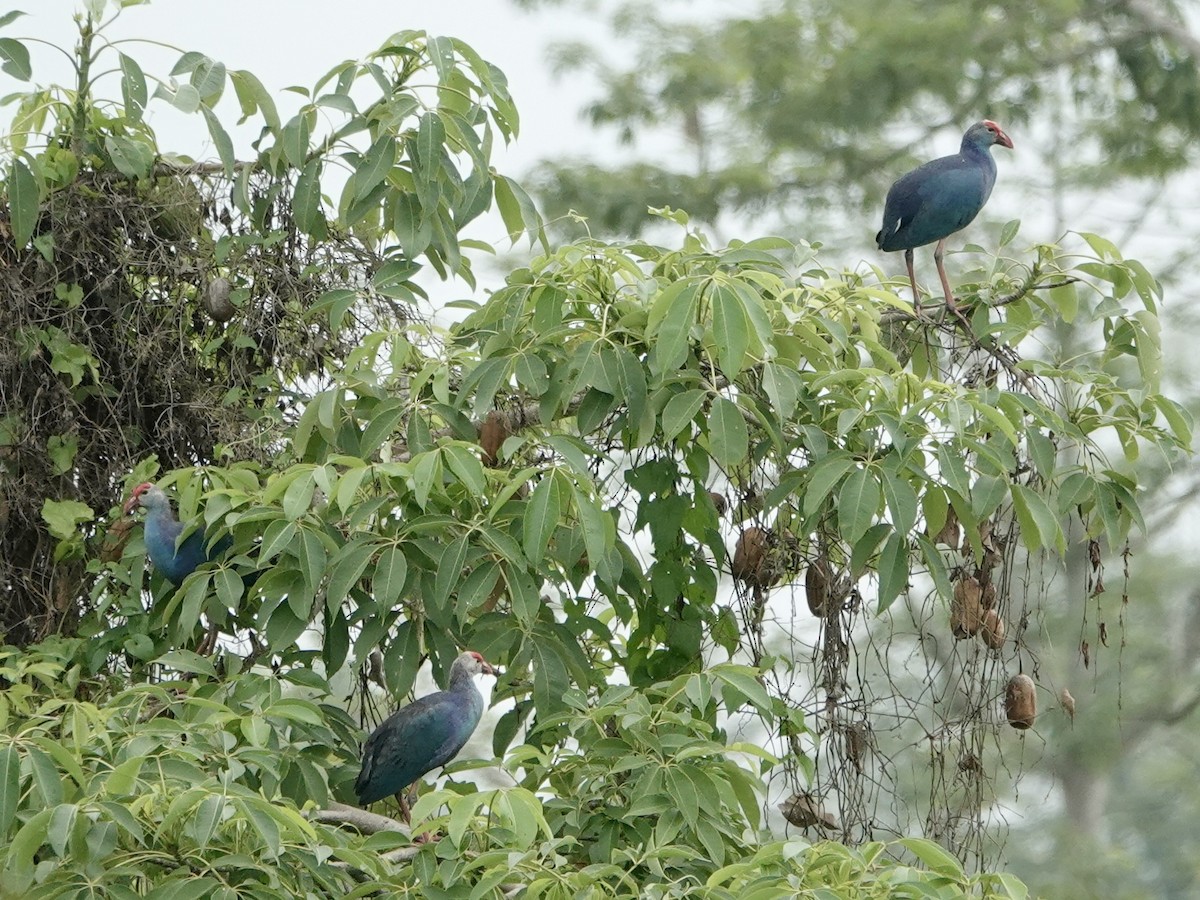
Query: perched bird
<point>162,533</point>
<point>933,201</point>
<point>422,736</point>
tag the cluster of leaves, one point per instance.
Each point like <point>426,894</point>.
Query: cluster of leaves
<point>540,483</point>
<point>160,308</point>
<point>198,786</point>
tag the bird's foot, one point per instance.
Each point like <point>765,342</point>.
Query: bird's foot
<point>955,310</point>
<point>426,837</point>
<point>209,642</point>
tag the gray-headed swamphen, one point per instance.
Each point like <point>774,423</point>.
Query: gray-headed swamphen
<point>933,201</point>
<point>422,736</point>
<point>162,533</point>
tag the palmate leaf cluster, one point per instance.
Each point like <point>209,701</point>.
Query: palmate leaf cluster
<point>557,481</point>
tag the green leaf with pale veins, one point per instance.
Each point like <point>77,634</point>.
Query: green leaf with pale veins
<point>23,201</point>
<point>728,436</point>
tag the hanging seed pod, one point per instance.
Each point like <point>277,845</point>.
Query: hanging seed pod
<point>216,300</point>
<point>803,811</point>
<point>1068,703</point>
<point>949,533</point>
<point>992,632</point>
<point>966,611</point>
<point>1020,702</point>
<point>493,431</point>
<point>856,744</point>
<point>987,599</point>
<point>818,581</point>
<point>719,501</point>
<point>751,558</point>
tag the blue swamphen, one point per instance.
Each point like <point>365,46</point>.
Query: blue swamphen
<point>422,736</point>
<point>933,201</point>
<point>162,534</point>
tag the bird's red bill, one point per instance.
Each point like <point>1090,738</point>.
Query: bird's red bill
<point>1001,138</point>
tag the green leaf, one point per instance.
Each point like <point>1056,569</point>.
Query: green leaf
<point>680,411</point>
<point>1040,527</point>
<point>229,587</point>
<point>893,570</point>
<point>413,229</point>
<point>901,501</point>
<point>1009,232</point>
<point>313,558</point>
<point>679,304</point>
<point>277,536</point>
<point>221,139</point>
<point>133,87</point>
<point>63,517</point>
<point>306,201</point>
<point>731,329</point>
<point>385,419</point>
<point>254,97</point>
<point>390,573</point>
<point>728,435</point>
<point>744,682</point>
<point>347,567</point>
<point>822,477</point>
<point>294,140</point>
<point>23,201</point>
<point>542,515</point>
<point>517,210</point>
<point>449,572</point>
<point>933,856</point>
<point>132,158</point>
<point>466,468</point>
<point>15,58</point>
<point>10,786</point>
<point>858,504</point>
<point>598,531</point>
<point>783,389</point>
<point>375,165</point>
<point>208,79</point>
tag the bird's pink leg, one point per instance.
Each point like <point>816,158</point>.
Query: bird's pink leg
<point>912,276</point>
<point>938,252</point>
<point>405,812</point>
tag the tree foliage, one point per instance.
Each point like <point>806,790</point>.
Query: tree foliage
<point>563,481</point>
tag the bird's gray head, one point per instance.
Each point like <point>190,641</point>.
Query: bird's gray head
<point>473,663</point>
<point>147,496</point>
<point>984,134</point>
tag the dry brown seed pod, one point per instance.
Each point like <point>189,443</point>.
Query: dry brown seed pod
<point>949,533</point>
<point>493,431</point>
<point>817,583</point>
<point>1068,703</point>
<point>856,744</point>
<point>719,501</point>
<point>993,629</point>
<point>216,302</point>
<point>966,610</point>
<point>1020,702</point>
<point>987,599</point>
<point>803,811</point>
<point>751,558</point>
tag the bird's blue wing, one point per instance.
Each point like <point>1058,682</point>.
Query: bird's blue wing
<point>414,740</point>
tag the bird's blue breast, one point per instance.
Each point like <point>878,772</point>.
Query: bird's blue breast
<point>176,564</point>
